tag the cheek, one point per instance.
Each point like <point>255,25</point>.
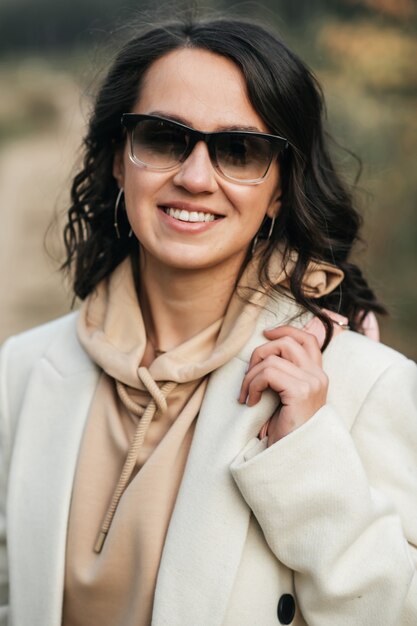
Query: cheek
<point>139,186</point>
<point>135,198</point>
<point>260,199</point>
<point>253,202</point>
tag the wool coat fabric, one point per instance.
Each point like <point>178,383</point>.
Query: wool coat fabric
<point>318,529</point>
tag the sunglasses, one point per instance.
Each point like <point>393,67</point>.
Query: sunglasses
<point>161,144</point>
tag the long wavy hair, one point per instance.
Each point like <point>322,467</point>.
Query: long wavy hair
<point>317,218</point>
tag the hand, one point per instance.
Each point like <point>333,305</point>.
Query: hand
<point>290,364</point>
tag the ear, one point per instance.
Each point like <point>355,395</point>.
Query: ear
<point>275,205</point>
<point>118,167</point>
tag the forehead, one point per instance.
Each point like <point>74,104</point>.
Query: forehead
<point>206,89</point>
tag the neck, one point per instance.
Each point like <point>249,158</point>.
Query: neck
<point>178,304</point>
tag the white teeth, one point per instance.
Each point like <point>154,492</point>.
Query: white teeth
<point>189,216</point>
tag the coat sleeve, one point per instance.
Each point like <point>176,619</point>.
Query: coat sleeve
<point>4,453</point>
<point>339,508</point>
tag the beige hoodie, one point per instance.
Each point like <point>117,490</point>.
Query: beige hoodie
<point>136,442</point>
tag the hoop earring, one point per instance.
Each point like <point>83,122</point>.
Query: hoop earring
<point>256,239</point>
<point>254,244</point>
<point>271,228</point>
<point>116,208</point>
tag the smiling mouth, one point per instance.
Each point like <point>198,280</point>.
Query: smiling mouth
<point>190,216</point>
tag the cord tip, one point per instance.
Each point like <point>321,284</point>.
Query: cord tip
<point>100,542</point>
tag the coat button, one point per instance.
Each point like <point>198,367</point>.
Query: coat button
<point>286,609</point>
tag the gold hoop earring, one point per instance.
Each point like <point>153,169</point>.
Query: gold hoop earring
<point>254,243</point>
<point>116,209</point>
<point>271,228</point>
<point>256,238</point>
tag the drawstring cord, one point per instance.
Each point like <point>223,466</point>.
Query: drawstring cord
<point>158,401</point>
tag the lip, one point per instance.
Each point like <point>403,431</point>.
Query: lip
<point>188,206</point>
<point>187,227</point>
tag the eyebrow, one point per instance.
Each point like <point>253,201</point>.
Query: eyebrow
<point>182,120</point>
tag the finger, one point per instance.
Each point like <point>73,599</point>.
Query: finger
<point>287,348</point>
<point>305,339</point>
<point>274,364</point>
<point>306,391</point>
<point>255,389</point>
<point>282,382</point>
<point>310,381</point>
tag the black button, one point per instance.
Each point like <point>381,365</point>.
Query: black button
<point>286,609</point>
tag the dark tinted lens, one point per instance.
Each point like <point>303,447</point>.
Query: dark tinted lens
<point>158,143</point>
<point>244,157</point>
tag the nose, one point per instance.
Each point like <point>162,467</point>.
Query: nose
<point>197,174</point>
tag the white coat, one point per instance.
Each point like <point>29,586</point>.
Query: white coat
<point>324,520</point>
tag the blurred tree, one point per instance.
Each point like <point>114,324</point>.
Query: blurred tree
<point>47,24</point>
<point>401,9</point>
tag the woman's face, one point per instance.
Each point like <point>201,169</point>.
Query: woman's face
<point>207,92</point>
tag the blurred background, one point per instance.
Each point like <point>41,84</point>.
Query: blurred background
<point>364,53</point>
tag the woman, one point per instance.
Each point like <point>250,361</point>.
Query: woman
<point>180,452</point>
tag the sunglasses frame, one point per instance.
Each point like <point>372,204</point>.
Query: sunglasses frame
<point>130,120</point>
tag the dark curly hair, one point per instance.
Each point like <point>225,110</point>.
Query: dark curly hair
<point>317,218</point>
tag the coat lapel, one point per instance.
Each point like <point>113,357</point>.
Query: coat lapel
<point>210,521</point>
<point>43,465</point>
